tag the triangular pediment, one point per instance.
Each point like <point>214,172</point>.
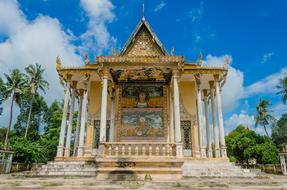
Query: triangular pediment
<point>143,42</point>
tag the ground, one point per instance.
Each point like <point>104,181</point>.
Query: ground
<point>8,182</point>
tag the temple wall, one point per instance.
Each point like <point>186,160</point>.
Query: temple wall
<point>95,97</point>
<point>188,96</point>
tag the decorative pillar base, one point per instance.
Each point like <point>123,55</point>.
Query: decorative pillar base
<point>217,153</point>
<point>80,151</point>
<point>203,152</point>
<point>179,150</point>
<point>67,152</point>
<point>196,153</point>
<point>223,152</point>
<point>60,151</point>
<point>101,150</point>
<point>209,153</point>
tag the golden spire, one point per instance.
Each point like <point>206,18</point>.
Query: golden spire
<point>58,63</point>
<point>114,52</point>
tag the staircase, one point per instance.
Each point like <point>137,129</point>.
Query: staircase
<point>214,168</point>
<point>131,168</point>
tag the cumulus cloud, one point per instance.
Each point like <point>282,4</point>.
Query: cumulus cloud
<point>265,85</point>
<point>97,37</point>
<point>159,6</point>
<point>239,119</point>
<point>28,42</point>
<point>233,88</point>
<point>266,57</point>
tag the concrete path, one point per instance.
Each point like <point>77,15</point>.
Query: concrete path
<point>8,182</point>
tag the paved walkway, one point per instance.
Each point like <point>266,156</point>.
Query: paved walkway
<point>8,182</point>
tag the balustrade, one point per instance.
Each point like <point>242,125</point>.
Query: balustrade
<point>139,149</point>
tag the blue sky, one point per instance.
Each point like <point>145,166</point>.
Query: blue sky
<point>251,33</point>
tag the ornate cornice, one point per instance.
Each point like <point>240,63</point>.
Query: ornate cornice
<point>140,59</point>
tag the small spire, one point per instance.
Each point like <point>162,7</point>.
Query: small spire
<point>172,51</point>
<point>143,10</point>
<point>199,60</point>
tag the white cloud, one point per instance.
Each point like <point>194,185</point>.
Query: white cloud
<point>233,88</point>
<point>265,85</point>
<point>239,119</point>
<point>159,6</point>
<point>278,110</point>
<point>40,40</point>
<point>97,37</point>
<point>196,13</point>
<point>266,57</point>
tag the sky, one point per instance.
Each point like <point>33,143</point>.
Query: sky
<point>252,34</point>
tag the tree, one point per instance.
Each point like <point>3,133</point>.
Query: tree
<point>244,145</point>
<point>279,131</point>
<point>50,139</point>
<point>282,87</point>
<point>2,94</point>
<point>14,87</point>
<point>37,122</point>
<point>263,117</point>
<point>36,81</point>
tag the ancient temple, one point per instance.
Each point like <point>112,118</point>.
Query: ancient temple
<point>142,102</point>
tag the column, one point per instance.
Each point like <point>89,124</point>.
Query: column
<point>171,114</point>
<point>214,123</point>
<point>209,149</point>
<point>60,150</point>
<point>220,119</point>
<point>103,113</point>
<point>179,152</point>
<point>199,116</point>
<point>80,101</point>
<point>83,124</point>
<point>112,119</point>
<point>70,126</point>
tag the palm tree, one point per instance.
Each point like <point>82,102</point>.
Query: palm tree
<point>35,80</point>
<point>263,117</point>
<point>14,86</point>
<point>283,89</point>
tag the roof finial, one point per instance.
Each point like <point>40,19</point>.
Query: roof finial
<point>143,10</point>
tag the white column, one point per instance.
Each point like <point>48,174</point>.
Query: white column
<point>60,150</point>
<point>76,144</point>
<point>220,120</point>
<point>112,119</point>
<point>179,150</point>
<point>70,126</point>
<point>199,122</point>
<point>214,123</point>
<point>104,110</point>
<point>171,115</point>
<point>83,125</point>
<point>209,149</point>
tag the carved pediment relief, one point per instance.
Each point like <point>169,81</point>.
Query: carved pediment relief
<point>143,46</point>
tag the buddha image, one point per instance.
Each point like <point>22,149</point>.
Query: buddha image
<point>142,103</point>
<point>141,130</point>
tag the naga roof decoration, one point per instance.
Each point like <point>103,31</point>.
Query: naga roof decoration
<point>143,42</point>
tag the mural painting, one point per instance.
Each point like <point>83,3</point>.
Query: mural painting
<point>142,110</point>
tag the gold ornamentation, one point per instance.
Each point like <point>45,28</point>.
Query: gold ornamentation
<point>58,63</point>
<point>144,46</point>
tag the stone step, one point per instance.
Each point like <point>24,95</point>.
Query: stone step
<point>136,170</point>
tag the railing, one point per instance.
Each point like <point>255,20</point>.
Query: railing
<point>139,149</point>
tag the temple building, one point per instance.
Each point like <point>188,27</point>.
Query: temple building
<point>142,101</point>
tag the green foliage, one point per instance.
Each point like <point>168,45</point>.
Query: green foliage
<point>263,117</point>
<point>244,145</point>
<point>265,153</point>
<point>279,131</point>
<point>282,87</point>
<point>39,109</point>
<point>28,151</point>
